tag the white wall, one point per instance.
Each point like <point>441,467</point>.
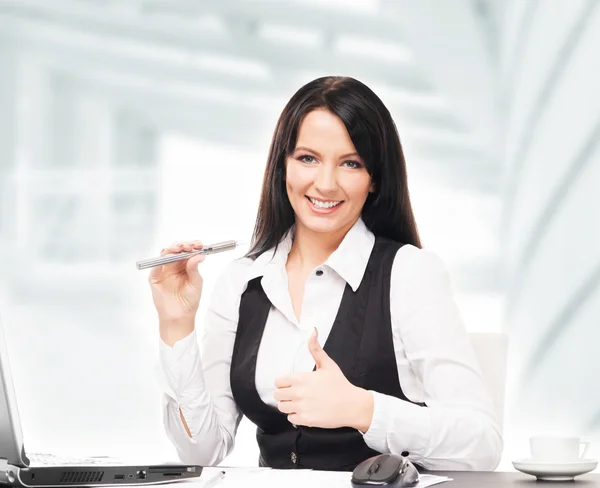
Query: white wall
<point>550,234</point>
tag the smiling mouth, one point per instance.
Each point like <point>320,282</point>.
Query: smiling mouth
<point>324,204</point>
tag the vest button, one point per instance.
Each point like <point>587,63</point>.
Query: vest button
<point>319,272</point>
<point>294,457</point>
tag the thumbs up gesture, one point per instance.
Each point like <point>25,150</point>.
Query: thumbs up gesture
<point>323,398</point>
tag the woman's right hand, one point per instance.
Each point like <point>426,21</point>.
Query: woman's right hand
<point>176,291</point>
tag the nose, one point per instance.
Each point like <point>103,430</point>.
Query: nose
<point>326,181</point>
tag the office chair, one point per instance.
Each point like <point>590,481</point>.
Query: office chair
<point>491,350</point>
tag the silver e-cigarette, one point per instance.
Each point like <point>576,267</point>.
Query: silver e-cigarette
<point>171,258</point>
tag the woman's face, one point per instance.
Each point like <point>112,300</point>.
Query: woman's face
<point>326,180</point>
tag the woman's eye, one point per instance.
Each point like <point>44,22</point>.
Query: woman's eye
<point>352,164</point>
<point>307,159</point>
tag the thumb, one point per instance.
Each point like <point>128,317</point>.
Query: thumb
<point>319,355</point>
<point>191,268</point>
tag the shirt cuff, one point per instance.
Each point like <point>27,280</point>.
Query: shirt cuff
<point>398,427</point>
<point>181,347</point>
<point>179,370</point>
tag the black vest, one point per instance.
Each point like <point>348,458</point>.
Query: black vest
<point>360,342</point>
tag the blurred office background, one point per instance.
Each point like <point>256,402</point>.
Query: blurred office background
<point>128,124</point>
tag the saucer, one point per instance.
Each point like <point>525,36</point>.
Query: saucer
<point>553,471</point>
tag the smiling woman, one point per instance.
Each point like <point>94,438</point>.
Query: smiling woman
<point>335,136</point>
<point>336,335</point>
<point>324,180</point>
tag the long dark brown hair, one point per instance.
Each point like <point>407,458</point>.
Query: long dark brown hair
<point>387,211</point>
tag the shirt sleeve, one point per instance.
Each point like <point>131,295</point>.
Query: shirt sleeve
<point>458,429</point>
<point>198,382</point>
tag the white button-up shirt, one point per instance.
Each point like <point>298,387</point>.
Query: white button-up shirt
<point>457,430</point>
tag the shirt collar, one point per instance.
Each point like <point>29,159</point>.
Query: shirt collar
<point>349,260</point>
<point>272,259</point>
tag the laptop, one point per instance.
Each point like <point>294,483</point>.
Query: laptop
<point>20,469</point>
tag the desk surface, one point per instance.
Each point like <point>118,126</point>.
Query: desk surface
<point>265,478</point>
<point>511,479</point>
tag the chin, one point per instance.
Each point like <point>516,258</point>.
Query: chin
<point>324,225</point>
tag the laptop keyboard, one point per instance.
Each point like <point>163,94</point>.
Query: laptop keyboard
<point>44,459</point>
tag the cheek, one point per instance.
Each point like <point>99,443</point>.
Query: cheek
<point>360,187</point>
<point>297,179</point>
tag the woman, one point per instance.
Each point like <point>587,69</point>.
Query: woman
<point>337,335</point>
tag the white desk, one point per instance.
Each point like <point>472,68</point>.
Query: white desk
<point>272,478</point>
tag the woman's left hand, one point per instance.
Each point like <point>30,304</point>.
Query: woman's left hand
<point>323,398</point>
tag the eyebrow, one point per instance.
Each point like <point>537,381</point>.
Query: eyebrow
<point>301,148</point>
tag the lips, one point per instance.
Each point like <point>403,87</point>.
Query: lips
<point>323,206</point>
<point>324,203</point>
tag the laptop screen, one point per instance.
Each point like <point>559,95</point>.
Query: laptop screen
<point>11,435</point>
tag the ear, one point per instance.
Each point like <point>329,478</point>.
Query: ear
<point>372,187</point>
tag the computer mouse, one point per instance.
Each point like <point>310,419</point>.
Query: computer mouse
<point>389,470</point>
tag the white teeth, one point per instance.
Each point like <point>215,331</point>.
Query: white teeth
<point>320,204</point>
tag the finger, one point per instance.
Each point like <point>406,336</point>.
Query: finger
<point>193,273</point>
<point>188,246</point>
<point>295,419</point>
<point>286,407</point>
<point>319,355</point>
<point>283,382</point>
<point>182,246</point>
<point>154,274</point>
<point>289,380</point>
<point>194,261</point>
<point>284,394</point>
<point>173,248</point>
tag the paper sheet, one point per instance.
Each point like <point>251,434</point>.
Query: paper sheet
<point>431,479</point>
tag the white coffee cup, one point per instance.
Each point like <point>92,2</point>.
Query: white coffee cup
<point>558,449</point>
